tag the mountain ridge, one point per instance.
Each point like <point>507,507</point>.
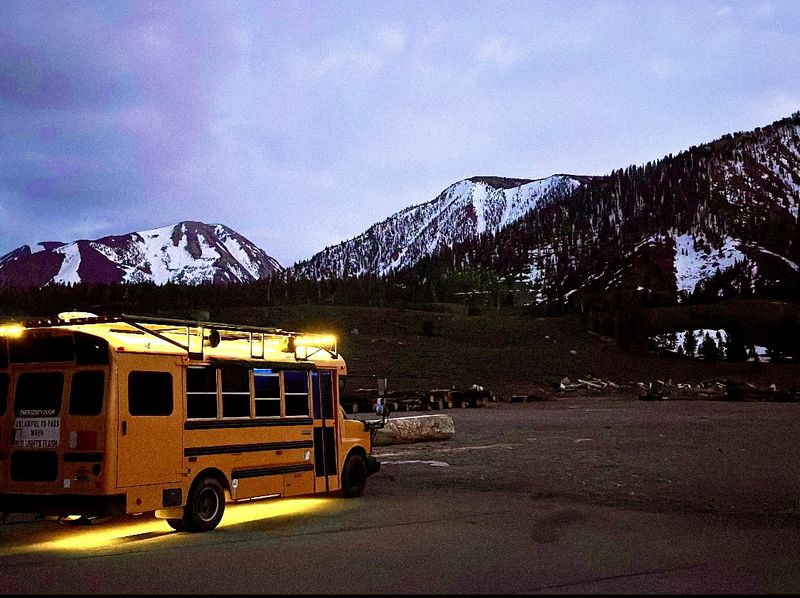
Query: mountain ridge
<point>465,208</point>
<point>189,252</point>
<point>715,220</point>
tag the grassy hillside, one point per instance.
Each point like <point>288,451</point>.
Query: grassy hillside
<point>511,351</point>
<point>508,351</point>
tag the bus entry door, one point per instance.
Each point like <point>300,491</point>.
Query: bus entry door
<point>150,425</point>
<point>325,441</point>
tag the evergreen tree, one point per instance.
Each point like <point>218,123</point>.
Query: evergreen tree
<point>751,353</point>
<point>735,349</point>
<point>689,343</point>
<point>708,349</point>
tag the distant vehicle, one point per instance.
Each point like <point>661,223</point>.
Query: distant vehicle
<point>446,398</point>
<point>477,396</point>
<point>361,393</point>
<point>103,416</point>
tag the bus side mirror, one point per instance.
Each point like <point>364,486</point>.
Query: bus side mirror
<point>381,408</point>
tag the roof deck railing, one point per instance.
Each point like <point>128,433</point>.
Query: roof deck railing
<point>173,331</point>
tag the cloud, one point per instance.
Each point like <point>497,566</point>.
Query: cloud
<point>340,56</point>
<point>391,39</point>
<point>500,52</point>
<point>662,66</point>
<point>773,104</point>
<point>724,11</point>
<point>765,10</point>
<point>350,57</point>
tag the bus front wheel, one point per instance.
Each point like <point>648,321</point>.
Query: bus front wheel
<point>354,476</point>
<point>176,524</point>
<point>205,507</point>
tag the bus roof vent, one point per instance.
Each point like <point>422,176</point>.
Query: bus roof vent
<point>68,316</point>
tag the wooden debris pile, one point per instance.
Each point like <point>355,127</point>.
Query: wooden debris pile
<point>588,383</point>
<point>714,390</point>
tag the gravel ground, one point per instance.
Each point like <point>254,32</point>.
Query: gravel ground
<point>727,458</point>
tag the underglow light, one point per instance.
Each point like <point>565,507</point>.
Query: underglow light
<point>104,535</point>
<point>269,509</point>
<point>129,531</point>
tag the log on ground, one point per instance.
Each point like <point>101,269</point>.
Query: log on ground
<point>420,428</point>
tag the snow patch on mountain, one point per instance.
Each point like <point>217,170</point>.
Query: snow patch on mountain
<point>68,274</point>
<point>697,259</point>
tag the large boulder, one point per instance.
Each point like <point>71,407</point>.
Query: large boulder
<point>420,428</point>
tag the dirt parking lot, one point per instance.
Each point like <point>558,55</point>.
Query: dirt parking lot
<point>576,495</point>
<point>733,459</point>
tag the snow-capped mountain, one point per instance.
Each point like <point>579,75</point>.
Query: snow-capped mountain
<point>719,219</point>
<point>188,252</point>
<point>462,211</point>
<point>716,220</point>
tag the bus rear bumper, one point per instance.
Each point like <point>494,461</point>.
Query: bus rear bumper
<point>64,504</point>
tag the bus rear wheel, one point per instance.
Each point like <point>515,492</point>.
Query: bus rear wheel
<point>354,476</point>
<point>205,507</point>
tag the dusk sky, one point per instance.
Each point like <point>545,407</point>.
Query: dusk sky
<point>299,124</point>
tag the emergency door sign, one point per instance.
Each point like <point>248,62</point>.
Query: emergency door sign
<point>37,432</point>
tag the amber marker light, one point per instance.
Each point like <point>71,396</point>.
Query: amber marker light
<point>315,340</point>
<point>14,330</point>
<point>306,345</point>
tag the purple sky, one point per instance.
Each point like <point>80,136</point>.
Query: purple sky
<point>300,124</point>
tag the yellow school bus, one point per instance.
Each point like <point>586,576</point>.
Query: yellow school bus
<point>104,416</point>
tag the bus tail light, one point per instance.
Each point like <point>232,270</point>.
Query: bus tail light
<point>83,441</point>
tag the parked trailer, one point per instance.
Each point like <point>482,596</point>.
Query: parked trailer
<point>446,398</point>
<point>474,397</point>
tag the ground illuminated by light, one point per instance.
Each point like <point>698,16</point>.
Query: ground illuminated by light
<point>117,534</point>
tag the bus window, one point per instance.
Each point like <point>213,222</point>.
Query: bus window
<point>150,393</point>
<point>326,384</point>
<point>3,393</point>
<point>322,393</point>
<point>201,393</point>
<point>267,393</point>
<point>34,466</point>
<point>315,395</point>
<point>235,391</point>
<point>34,349</point>
<point>86,393</point>
<point>38,394</point>
<point>90,350</point>
<point>296,392</point>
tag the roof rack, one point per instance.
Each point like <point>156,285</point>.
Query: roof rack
<point>217,332</point>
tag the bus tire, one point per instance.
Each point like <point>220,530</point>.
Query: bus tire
<point>205,507</point>
<point>176,524</point>
<point>354,476</point>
